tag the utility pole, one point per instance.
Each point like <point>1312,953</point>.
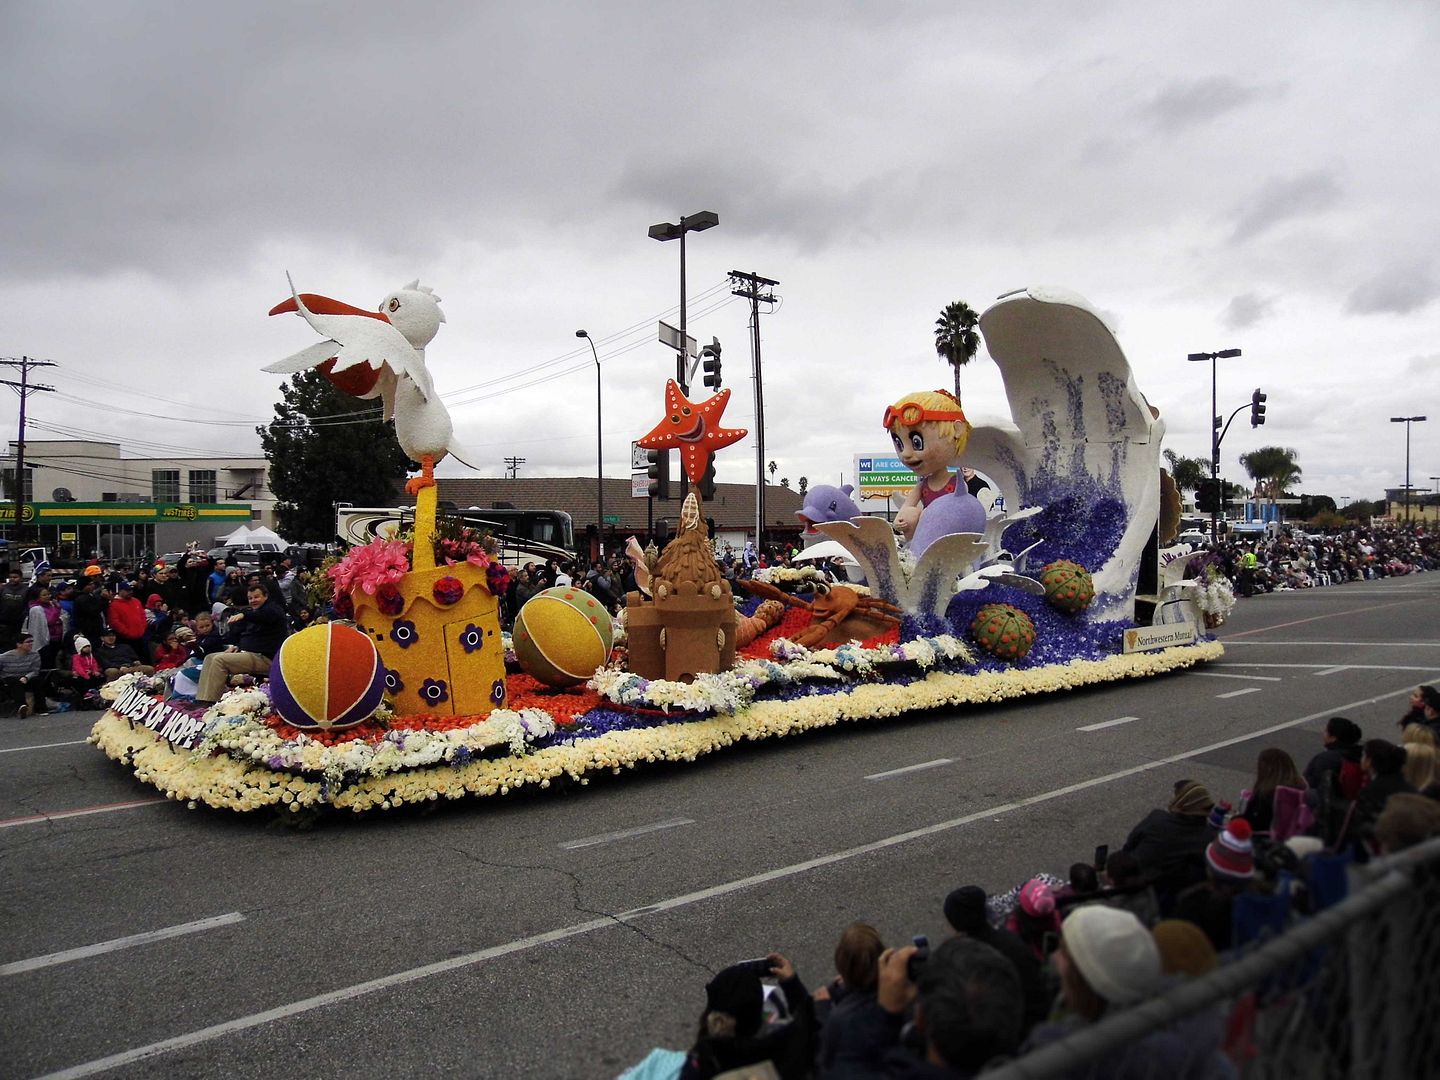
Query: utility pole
<point>24,389</point>
<point>512,467</point>
<point>756,289</point>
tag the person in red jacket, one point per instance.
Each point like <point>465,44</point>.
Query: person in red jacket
<point>126,616</point>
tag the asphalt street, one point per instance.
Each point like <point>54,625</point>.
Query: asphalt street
<point>564,933</point>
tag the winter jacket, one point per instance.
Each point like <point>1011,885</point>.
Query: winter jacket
<point>262,629</point>
<point>1189,1049</point>
<point>127,618</point>
<point>84,667</point>
<point>1171,848</point>
<point>790,1047</point>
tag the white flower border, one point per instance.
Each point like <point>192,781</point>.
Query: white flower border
<point>222,781</point>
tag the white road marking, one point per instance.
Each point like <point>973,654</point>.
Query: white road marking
<point>1241,692</point>
<point>1107,723</point>
<point>1334,670</point>
<point>51,959</point>
<point>454,963</point>
<point>1330,667</point>
<point>45,746</point>
<point>1251,678</point>
<point>625,834</point>
<point>910,768</point>
<point>60,815</point>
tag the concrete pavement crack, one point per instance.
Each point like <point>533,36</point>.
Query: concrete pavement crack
<point>575,886</point>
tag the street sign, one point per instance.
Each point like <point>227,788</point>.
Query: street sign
<point>612,519</point>
<point>638,461</point>
<point>640,485</point>
<point>669,335</point>
<point>879,475</point>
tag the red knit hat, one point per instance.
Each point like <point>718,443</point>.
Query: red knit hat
<point>1231,854</point>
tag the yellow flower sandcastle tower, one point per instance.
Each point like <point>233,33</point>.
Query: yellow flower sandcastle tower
<point>437,631</point>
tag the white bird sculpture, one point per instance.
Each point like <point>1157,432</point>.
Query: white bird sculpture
<point>381,353</point>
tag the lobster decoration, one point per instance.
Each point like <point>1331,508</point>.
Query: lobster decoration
<point>837,614</point>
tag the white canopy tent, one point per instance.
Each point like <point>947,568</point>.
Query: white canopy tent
<point>260,537</point>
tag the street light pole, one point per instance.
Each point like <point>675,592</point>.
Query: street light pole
<point>665,230</point>
<point>1407,421</point>
<point>599,452</point>
<point>1223,354</point>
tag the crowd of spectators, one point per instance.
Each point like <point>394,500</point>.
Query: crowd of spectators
<point>1295,559</point>
<point>62,638</point>
<point>1194,880</point>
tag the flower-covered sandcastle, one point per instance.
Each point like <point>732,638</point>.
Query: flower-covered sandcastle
<point>981,605</point>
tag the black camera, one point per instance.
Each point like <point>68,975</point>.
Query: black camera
<point>760,966</point>
<point>917,959</point>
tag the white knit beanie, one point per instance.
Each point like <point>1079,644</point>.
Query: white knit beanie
<point>1114,951</point>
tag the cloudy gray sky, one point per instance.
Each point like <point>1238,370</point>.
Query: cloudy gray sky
<point>1229,174</point>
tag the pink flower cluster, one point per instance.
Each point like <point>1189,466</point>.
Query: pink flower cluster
<point>368,566</point>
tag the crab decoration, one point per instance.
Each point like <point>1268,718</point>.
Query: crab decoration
<point>837,614</point>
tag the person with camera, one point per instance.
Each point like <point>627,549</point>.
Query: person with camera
<point>732,1031</point>
<point>968,1011</point>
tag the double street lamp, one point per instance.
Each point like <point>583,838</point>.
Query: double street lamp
<point>599,451</point>
<point>1407,421</point>
<point>705,219</point>
<point>1223,354</point>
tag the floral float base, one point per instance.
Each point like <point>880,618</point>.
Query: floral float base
<point>510,750</point>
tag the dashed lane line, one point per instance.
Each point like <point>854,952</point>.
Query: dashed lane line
<point>1241,692</point>
<point>910,768</point>
<point>116,944</point>
<point>44,746</point>
<point>1108,723</point>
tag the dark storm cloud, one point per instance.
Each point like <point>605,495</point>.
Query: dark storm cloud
<point>1396,290</point>
<point>1285,199</point>
<point>1184,105</point>
<point>1246,310</point>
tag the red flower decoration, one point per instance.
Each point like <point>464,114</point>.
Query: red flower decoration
<point>448,590</point>
<point>389,600</point>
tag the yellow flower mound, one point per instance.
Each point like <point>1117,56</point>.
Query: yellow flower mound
<point>225,783</point>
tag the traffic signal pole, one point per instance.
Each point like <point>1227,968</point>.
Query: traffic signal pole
<point>750,287</point>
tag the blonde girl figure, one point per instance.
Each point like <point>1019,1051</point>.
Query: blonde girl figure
<point>930,431</point>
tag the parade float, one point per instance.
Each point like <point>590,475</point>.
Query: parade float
<point>413,694</point>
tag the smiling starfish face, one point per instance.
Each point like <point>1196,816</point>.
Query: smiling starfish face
<point>693,429</point>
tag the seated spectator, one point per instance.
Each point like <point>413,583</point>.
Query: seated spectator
<point>170,653</point>
<point>1340,761</point>
<point>1170,844</point>
<point>857,966</point>
<point>967,1005</point>
<point>1036,918</point>
<point>1424,708</point>
<point>261,628</point>
<point>1108,960</point>
<point>207,636</point>
<point>85,669</point>
<point>117,658</point>
<point>1384,762</point>
<point>1084,883</point>
<point>20,677</point>
<point>1407,820</point>
<point>1129,889</point>
<point>1230,861</point>
<point>1421,771</point>
<point>1184,949</point>
<point>965,912</point>
<point>1417,735</point>
<point>1273,769</point>
<point>731,1035</point>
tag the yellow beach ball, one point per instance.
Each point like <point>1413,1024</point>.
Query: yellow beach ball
<point>562,635</point>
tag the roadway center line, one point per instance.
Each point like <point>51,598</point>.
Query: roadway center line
<point>59,815</point>
<point>1326,668</point>
<point>1241,692</point>
<point>1317,618</point>
<point>455,963</point>
<point>51,959</point>
<point>910,768</point>
<point>45,746</point>
<point>1108,723</point>
<point>1251,678</point>
<point>1333,670</point>
<point>624,834</point>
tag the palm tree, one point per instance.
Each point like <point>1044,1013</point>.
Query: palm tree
<point>1273,468</point>
<point>772,467</point>
<point>785,482</point>
<point>804,485</point>
<point>1188,472</point>
<point>956,341</point>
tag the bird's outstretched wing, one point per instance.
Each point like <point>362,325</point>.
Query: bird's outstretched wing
<point>352,339</point>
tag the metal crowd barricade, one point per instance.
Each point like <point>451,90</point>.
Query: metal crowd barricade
<point>1350,992</point>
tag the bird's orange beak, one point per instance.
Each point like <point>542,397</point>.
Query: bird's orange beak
<point>323,305</point>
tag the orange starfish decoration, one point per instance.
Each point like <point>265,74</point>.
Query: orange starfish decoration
<point>692,429</point>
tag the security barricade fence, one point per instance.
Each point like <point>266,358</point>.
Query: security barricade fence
<point>1352,991</point>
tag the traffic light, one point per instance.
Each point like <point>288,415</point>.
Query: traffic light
<point>1207,496</point>
<point>711,355</point>
<point>706,487</point>
<point>1257,408</point>
<point>657,467</point>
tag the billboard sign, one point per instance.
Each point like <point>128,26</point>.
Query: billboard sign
<point>879,475</point>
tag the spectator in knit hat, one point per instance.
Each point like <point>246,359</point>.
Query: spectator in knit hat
<point>1035,918</point>
<point>965,912</point>
<point>731,1033</point>
<point>1170,844</point>
<point>1107,960</point>
<point>967,1006</point>
<point>1184,949</point>
<point>1230,863</point>
<point>1406,821</point>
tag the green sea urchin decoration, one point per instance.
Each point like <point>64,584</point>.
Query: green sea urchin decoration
<point>1068,586</point>
<point>1003,630</point>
